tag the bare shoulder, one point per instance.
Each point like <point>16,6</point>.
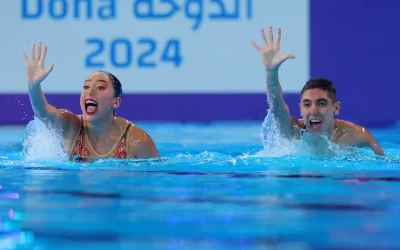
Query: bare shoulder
<point>351,129</point>
<point>67,115</point>
<point>357,135</point>
<point>141,145</point>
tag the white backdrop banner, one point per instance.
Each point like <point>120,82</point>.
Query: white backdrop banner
<point>154,46</point>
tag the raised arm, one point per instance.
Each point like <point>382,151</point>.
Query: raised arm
<point>36,73</point>
<point>273,59</point>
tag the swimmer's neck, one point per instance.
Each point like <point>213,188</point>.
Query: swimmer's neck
<point>99,130</point>
<point>331,131</point>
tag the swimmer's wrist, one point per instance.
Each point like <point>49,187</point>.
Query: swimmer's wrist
<point>271,71</point>
<point>34,86</point>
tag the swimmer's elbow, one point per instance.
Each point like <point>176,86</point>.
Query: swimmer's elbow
<point>58,119</point>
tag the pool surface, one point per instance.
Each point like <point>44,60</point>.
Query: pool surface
<point>216,187</point>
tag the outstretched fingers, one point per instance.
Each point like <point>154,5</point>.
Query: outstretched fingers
<point>271,35</point>
<point>278,38</point>
<point>255,45</point>
<point>264,40</point>
<point>49,69</point>
<point>44,54</point>
<point>263,37</point>
<point>289,56</point>
<point>33,51</point>
<point>39,55</point>
<point>25,57</point>
<point>39,51</point>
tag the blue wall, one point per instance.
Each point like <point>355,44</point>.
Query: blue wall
<point>356,44</point>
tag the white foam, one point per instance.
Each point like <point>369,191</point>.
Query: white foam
<point>42,143</point>
<point>275,145</point>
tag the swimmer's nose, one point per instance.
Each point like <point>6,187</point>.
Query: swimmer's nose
<point>314,110</point>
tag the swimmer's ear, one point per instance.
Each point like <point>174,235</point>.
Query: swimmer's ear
<point>337,108</point>
<point>117,102</point>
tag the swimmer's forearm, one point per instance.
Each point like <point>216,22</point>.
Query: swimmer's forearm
<point>274,91</point>
<point>40,106</point>
<point>277,104</point>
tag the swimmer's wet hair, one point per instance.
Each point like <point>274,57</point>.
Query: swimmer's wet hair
<point>115,82</point>
<point>323,84</point>
<point>116,85</point>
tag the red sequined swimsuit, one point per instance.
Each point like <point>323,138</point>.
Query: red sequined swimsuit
<point>83,147</point>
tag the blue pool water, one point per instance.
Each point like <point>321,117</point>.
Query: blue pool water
<point>214,188</point>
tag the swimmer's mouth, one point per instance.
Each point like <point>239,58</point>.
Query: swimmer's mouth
<point>315,123</point>
<point>90,106</point>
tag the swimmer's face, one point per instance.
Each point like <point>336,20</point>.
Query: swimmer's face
<point>318,110</point>
<point>97,97</point>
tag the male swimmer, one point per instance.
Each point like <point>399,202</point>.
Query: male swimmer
<point>318,104</point>
<point>97,132</point>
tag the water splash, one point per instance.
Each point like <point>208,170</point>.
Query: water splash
<point>309,145</point>
<point>274,144</point>
<point>42,143</point>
